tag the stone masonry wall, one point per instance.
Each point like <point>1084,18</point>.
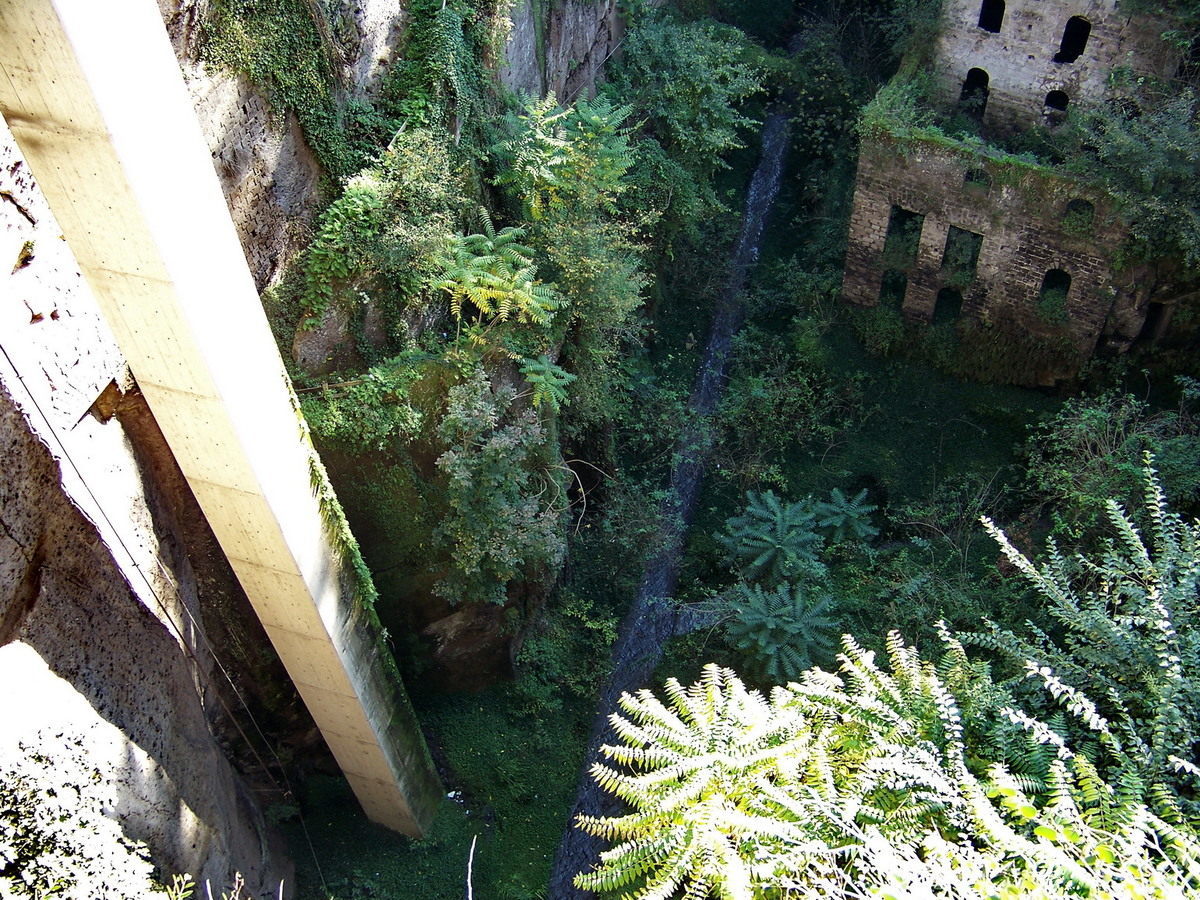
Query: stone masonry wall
<point>1019,58</point>
<point>1022,218</point>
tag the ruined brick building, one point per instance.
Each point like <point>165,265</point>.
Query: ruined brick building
<point>1019,256</point>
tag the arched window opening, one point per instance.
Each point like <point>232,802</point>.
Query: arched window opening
<point>1056,107</point>
<point>1078,216</point>
<point>991,15</point>
<point>1052,298</point>
<point>1058,100</point>
<point>977,179</point>
<point>1074,40</point>
<point>974,96</point>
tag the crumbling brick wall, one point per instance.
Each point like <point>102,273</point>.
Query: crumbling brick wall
<point>1023,61</point>
<point>1025,229</point>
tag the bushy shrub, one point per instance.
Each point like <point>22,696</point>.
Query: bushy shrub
<point>505,495</point>
<point>688,78</point>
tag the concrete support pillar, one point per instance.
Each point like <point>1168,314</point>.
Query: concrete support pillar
<point>94,97</point>
<point>925,279</point>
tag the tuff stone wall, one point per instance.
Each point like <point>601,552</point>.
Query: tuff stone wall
<point>560,46</point>
<point>104,580</point>
<point>1022,217</point>
<point>1019,57</point>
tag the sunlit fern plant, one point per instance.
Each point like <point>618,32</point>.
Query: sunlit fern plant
<point>494,273</point>
<point>784,630</point>
<point>1128,635</point>
<point>773,540</point>
<point>857,785</point>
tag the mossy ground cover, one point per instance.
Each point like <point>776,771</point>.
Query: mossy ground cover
<point>920,428</point>
<point>510,778</point>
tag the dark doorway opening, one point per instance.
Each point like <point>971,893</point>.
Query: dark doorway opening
<point>1056,107</point>
<point>1052,298</point>
<point>893,289</point>
<point>974,96</point>
<point>948,306</point>
<point>961,257</point>
<point>991,15</point>
<point>1074,40</point>
<point>1156,320</point>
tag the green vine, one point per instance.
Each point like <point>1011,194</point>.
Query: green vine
<point>341,539</point>
<point>283,48</point>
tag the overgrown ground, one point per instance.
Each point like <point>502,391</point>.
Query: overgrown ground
<point>809,409</point>
<point>513,758</point>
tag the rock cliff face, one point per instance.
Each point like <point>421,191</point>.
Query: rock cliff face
<point>560,46</point>
<point>113,593</point>
<point>270,177</point>
<point>106,578</point>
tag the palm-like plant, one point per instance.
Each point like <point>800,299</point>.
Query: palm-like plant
<point>785,630</point>
<point>846,518</point>
<point>494,272</point>
<point>772,540</point>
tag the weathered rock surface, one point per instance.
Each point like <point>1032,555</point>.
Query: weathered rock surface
<point>270,177</point>
<point>560,46</point>
<point>101,602</point>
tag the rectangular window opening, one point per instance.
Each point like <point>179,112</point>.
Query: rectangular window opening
<point>903,239</point>
<point>961,257</point>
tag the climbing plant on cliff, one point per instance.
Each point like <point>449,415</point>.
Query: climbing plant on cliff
<point>439,79</point>
<point>567,168</point>
<point>379,243</point>
<point>287,49</point>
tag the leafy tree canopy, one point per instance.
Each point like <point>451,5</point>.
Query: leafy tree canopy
<point>689,78</point>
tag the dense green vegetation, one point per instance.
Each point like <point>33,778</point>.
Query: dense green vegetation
<point>522,289</point>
